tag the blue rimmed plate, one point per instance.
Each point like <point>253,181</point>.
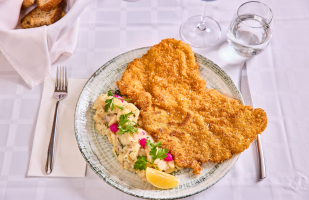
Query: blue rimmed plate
<point>97,150</point>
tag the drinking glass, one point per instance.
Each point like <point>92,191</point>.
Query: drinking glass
<point>200,30</point>
<point>251,28</point>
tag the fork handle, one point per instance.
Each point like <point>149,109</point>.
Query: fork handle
<point>50,152</point>
<point>261,161</point>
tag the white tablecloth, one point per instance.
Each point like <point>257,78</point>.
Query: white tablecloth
<point>108,28</point>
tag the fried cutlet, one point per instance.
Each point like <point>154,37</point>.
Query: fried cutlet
<point>196,124</point>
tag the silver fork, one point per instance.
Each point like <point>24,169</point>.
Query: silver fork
<point>61,92</point>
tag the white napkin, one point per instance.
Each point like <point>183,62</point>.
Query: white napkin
<point>32,51</point>
<point>68,161</point>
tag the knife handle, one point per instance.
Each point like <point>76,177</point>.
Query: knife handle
<point>261,160</point>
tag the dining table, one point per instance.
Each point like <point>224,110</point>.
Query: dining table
<point>278,79</point>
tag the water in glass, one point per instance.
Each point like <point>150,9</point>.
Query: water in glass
<point>249,34</point>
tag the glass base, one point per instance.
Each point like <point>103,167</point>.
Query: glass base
<point>228,55</point>
<point>200,35</point>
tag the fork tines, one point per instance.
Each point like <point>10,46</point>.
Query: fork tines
<point>61,80</point>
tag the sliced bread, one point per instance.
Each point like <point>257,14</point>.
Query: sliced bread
<point>37,17</point>
<point>27,3</point>
<point>47,5</point>
<point>62,14</point>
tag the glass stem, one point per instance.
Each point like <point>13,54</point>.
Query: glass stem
<point>202,26</point>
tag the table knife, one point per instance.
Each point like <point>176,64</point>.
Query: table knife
<point>245,91</point>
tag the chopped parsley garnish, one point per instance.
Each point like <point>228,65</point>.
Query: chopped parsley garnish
<point>141,162</point>
<point>121,144</point>
<point>109,93</point>
<point>110,102</point>
<point>125,125</point>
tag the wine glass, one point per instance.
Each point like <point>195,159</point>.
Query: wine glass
<point>200,30</point>
<point>251,28</point>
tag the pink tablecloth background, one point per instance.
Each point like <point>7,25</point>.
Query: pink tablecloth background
<point>279,80</point>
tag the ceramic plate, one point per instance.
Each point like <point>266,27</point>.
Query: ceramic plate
<point>98,151</point>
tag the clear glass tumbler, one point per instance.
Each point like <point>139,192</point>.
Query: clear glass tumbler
<point>251,28</point>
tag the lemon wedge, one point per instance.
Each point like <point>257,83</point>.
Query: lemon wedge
<point>160,179</point>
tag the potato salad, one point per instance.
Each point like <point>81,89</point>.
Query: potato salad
<point>133,147</point>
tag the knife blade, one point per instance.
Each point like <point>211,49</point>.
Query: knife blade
<point>246,94</point>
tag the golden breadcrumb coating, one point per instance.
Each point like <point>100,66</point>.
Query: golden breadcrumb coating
<point>196,124</point>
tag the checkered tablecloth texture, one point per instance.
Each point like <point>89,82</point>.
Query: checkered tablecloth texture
<point>279,81</point>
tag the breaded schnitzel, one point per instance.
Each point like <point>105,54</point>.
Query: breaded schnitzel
<point>196,124</point>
